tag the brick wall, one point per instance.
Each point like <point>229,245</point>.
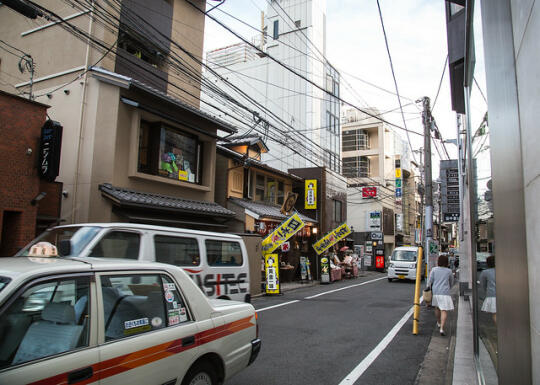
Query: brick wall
<point>20,128</point>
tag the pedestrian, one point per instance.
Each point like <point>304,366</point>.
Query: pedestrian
<point>487,282</point>
<point>441,280</point>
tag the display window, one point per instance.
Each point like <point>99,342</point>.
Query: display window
<point>169,152</point>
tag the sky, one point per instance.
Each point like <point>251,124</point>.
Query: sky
<point>416,32</point>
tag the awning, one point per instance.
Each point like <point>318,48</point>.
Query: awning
<point>262,210</point>
<point>163,204</point>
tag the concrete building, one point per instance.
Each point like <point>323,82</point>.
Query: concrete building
<point>304,119</point>
<point>371,154</point>
<point>505,41</point>
<point>135,147</point>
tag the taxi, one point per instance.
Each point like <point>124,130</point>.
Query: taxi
<point>88,320</point>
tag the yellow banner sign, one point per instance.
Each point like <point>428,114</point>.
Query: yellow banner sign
<point>398,173</point>
<point>310,200</point>
<point>331,238</point>
<point>282,233</point>
<point>271,265</point>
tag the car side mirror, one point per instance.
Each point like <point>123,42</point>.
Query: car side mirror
<point>64,247</point>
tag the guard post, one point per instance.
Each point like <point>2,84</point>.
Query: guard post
<point>417,288</point>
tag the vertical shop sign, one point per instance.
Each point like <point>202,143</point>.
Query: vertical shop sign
<point>399,188</point>
<point>303,268</point>
<point>272,273</point>
<point>310,194</point>
<point>325,270</point>
<point>282,233</point>
<point>49,150</point>
<point>374,221</point>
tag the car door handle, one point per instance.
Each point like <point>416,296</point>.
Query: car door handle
<point>80,375</point>
<point>186,341</point>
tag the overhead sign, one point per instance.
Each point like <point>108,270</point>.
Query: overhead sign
<point>310,200</point>
<point>271,264</point>
<point>369,192</point>
<point>331,238</point>
<point>282,233</point>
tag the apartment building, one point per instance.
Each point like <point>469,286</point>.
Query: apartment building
<point>374,156</point>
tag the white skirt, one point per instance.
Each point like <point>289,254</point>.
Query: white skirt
<point>490,305</point>
<point>443,302</point>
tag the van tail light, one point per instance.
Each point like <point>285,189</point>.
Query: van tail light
<point>256,325</point>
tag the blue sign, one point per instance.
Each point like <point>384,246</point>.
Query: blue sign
<point>398,192</point>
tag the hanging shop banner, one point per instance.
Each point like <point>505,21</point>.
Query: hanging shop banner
<point>310,194</point>
<point>331,238</point>
<point>282,233</point>
<point>325,270</point>
<point>271,264</point>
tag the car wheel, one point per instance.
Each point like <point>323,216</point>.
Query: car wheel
<point>389,279</point>
<point>201,374</point>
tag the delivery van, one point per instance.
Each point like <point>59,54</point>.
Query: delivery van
<point>217,262</point>
<point>402,264</point>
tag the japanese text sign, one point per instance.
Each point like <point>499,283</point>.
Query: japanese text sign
<point>331,238</point>
<point>271,264</point>
<point>310,194</point>
<point>282,233</point>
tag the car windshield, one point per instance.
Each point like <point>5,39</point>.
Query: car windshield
<point>3,282</point>
<point>404,255</point>
<point>79,236</point>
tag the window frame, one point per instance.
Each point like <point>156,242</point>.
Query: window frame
<point>101,236</point>
<point>155,132</point>
<point>181,237</point>
<point>101,340</point>
<point>213,265</point>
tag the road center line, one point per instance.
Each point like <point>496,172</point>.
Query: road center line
<point>343,288</point>
<point>372,356</point>
<point>278,305</point>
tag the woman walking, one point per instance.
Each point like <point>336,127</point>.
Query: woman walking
<point>441,280</point>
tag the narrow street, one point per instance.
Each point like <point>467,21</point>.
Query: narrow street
<point>321,339</point>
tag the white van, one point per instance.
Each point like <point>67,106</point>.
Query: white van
<point>402,263</point>
<point>217,262</point>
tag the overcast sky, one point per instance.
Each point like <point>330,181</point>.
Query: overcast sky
<point>416,31</point>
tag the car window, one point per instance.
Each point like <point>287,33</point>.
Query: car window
<point>78,236</point>
<point>3,282</point>
<point>117,244</point>
<point>223,253</point>
<point>139,303</point>
<point>177,251</point>
<point>404,255</point>
<point>46,319</point>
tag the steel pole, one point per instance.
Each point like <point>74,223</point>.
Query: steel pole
<point>428,121</point>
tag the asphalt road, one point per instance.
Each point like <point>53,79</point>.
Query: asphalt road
<point>321,340</point>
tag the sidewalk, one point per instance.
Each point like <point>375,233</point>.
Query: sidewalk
<point>450,360</point>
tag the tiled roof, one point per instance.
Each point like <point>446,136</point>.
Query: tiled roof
<point>265,210</point>
<point>132,198</point>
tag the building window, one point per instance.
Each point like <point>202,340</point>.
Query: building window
<point>280,193</point>
<point>136,46</point>
<point>259,188</point>
<point>268,189</point>
<point>354,140</point>
<point>337,211</point>
<point>275,36</point>
<point>169,152</point>
<point>356,166</point>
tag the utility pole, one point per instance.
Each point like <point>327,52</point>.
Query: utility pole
<point>427,120</point>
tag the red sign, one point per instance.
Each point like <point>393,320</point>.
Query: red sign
<point>286,246</point>
<point>379,262</point>
<point>369,192</point>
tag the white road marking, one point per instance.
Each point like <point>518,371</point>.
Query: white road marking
<point>278,305</point>
<point>372,356</point>
<point>344,288</point>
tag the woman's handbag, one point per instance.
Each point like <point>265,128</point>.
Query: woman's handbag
<point>427,295</point>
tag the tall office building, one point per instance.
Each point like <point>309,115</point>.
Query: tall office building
<point>304,128</point>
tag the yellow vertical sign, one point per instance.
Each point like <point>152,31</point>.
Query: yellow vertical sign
<point>271,264</point>
<point>398,173</point>
<point>310,200</point>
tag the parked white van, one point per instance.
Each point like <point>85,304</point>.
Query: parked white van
<point>402,263</point>
<point>217,262</point>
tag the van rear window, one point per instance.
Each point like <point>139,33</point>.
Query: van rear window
<point>223,253</point>
<point>177,251</point>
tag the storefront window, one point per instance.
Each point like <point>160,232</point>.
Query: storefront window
<point>169,152</point>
